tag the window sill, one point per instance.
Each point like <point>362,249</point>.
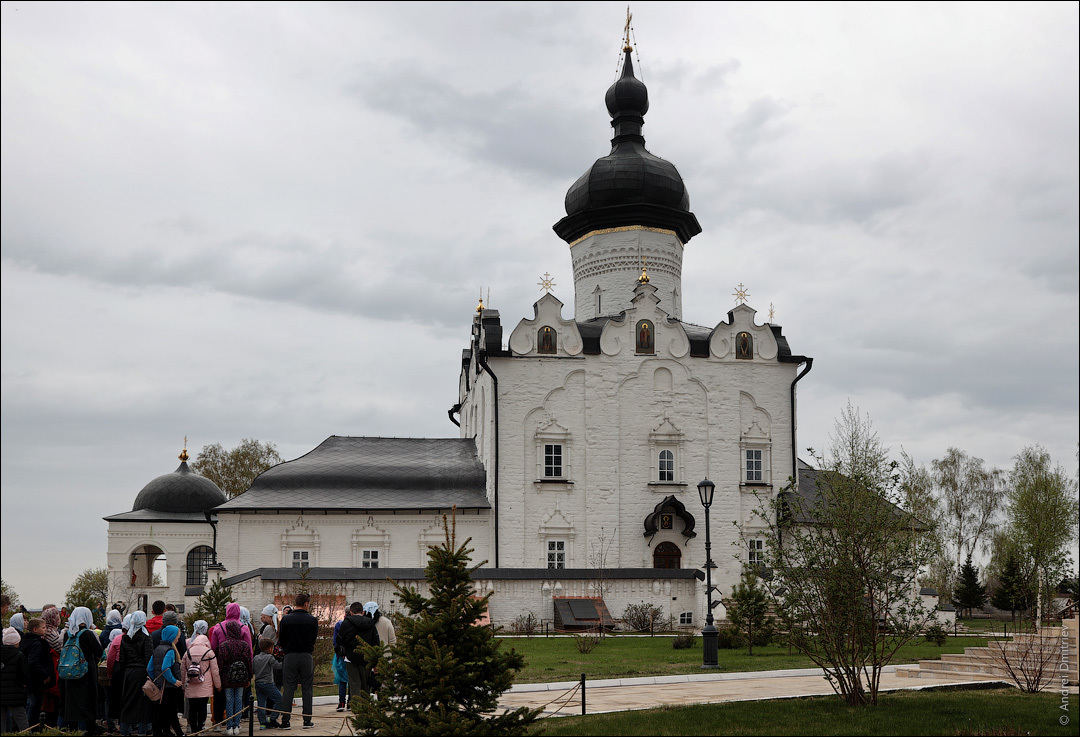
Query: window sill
<point>756,485</point>
<point>565,482</point>
<point>668,483</point>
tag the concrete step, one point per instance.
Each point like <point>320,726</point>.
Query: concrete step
<point>914,671</point>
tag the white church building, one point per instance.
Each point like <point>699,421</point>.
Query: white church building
<point>583,434</point>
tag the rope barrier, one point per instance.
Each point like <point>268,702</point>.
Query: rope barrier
<point>218,724</point>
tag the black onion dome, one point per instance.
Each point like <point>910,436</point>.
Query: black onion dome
<point>629,186</point>
<point>183,490</point>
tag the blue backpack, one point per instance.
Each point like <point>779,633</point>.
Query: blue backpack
<point>73,663</point>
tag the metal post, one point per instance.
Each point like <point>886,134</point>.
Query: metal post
<point>709,633</point>
<point>251,709</point>
<point>582,694</point>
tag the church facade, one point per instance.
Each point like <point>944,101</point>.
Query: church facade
<point>583,434</point>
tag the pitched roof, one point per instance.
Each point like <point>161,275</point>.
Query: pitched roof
<point>802,502</point>
<point>372,474</point>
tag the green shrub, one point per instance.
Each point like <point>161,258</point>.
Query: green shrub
<point>936,635</point>
<point>684,641</point>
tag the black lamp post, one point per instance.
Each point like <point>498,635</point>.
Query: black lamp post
<point>708,633</point>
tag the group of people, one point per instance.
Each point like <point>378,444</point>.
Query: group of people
<point>152,671</point>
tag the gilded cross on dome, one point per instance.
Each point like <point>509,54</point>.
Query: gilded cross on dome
<point>547,281</point>
<point>740,294</point>
<point>772,312</point>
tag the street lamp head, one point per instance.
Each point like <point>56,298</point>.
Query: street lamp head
<point>705,490</point>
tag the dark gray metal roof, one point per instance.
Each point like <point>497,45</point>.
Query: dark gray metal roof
<point>483,574</point>
<point>350,473</point>
<point>183,490</point>
<point>154,515</point>
<point>801,504</point>
<point>629,186</point>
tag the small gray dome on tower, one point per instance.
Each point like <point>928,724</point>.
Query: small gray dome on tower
<point>629,186</point>
<point>183,490</point>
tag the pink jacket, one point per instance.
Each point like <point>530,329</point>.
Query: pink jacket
<point>217,632</point>
<point>198,651</point>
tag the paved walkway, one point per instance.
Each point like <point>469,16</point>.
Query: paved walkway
<point>627,694</point>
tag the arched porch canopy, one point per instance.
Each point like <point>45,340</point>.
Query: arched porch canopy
<point>670,505</point>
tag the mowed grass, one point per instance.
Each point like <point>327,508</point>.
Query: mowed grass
<point>982,712</point>
<point>557,658</point>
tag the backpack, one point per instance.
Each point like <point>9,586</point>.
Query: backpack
<point>72,665</point>
<point>237,672</point>
<point>194,670</point>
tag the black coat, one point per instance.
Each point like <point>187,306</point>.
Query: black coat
<point>80,695</point>
<point>38,660</point>
<point>135,653</point>
<point>14,677</point>
<point>356,630</point>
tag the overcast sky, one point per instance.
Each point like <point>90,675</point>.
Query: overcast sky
<point>274,220</point>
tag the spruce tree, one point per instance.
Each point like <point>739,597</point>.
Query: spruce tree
<point>969,594</point>
<point>1014,591</point>
<point>211,605</point>
<point>749,609</point>
<point>446,672</point>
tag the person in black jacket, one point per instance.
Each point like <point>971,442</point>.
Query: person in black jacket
<point>357,630</point>
<point>39,661</point>
<point>297,635</point>
<point>135,653</point>
<point>14,678</point>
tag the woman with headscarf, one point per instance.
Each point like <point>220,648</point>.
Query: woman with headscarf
<point>235,664</point>
<point>80,695</point>
<point>113,621</point>
<point>217,636</point>
<point>269,618</point>
<point>18,623</point>
<point>51,615</point>
<point>200,686</point>
<point>164,670</point>
<point>135,653</point>
<point>50,697</point>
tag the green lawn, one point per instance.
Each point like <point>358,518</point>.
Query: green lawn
<point>982,712</point>
<point>557,658</point>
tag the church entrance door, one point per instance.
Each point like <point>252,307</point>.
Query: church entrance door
<point>667,555</point>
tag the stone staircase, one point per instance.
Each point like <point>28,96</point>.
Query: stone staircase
<point>1027,651</point>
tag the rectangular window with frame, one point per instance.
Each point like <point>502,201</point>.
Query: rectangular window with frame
<point>686,618</point>
<point>754,466</point>
<point>553,461</point>
<point>300,559</point>
<point>556,554</point>
<point>369,559</point>
<point>756,553</point>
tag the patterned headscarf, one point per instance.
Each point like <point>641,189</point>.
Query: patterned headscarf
<point>245,617</point>
<point>126,624</point>
<point>81,617</point>
<point>201,627</point>
<point>17,622</point>
<point>115,633</point>
<point>138,622</point>
<point>51,617</point>
<point>114,617</point>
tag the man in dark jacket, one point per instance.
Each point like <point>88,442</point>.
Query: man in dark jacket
<point>296,636</point>
<point>357,630</point>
